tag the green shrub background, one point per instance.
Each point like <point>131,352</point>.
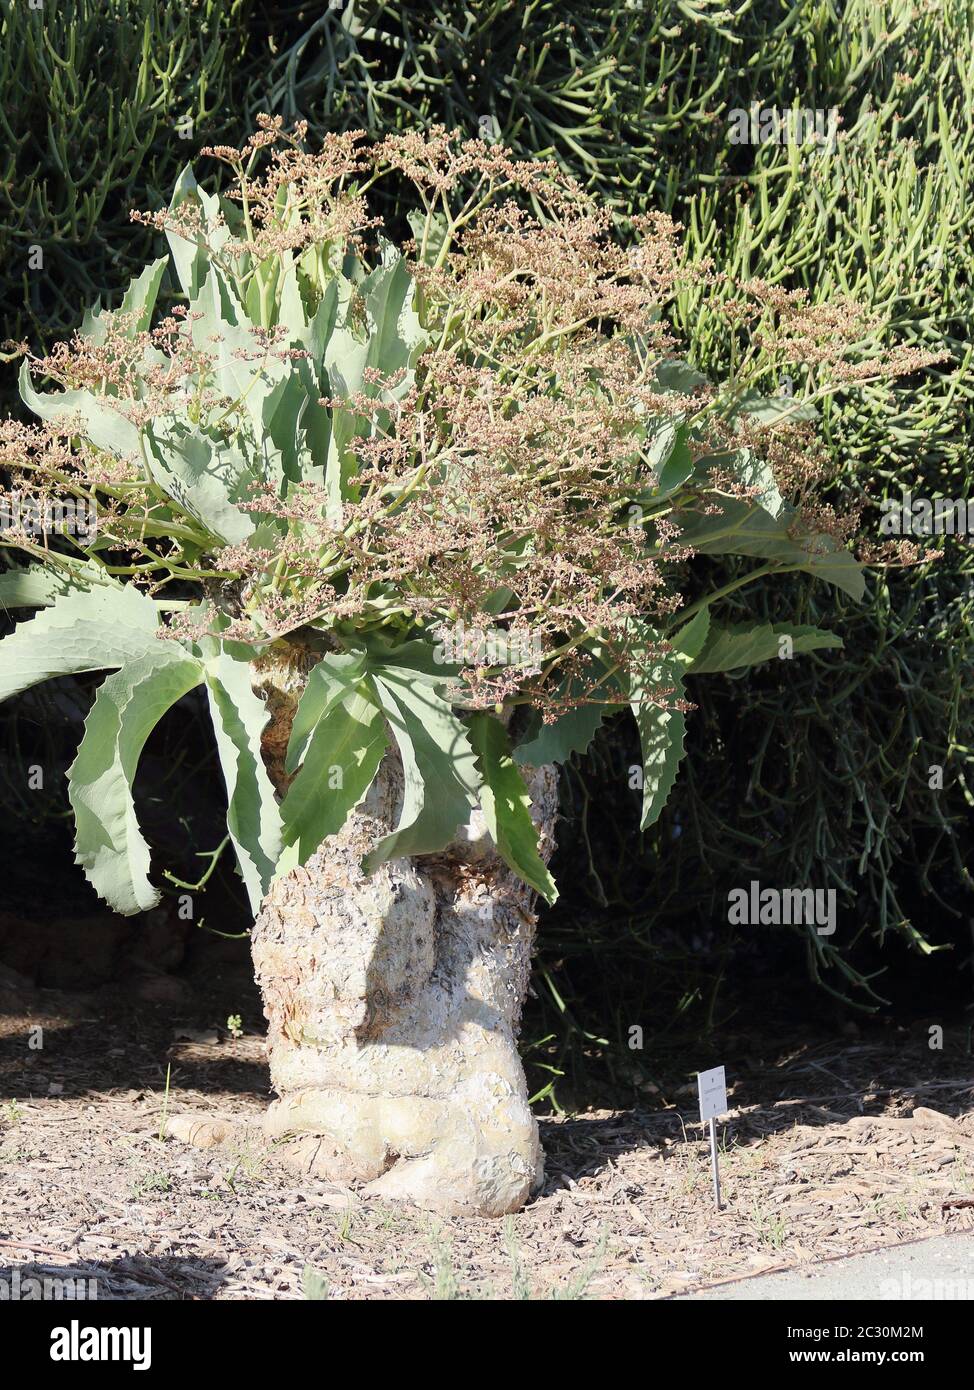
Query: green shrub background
<point>813,772</point>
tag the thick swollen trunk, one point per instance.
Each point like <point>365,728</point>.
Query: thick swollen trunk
<point>393,1003</point>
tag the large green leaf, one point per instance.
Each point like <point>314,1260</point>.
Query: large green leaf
<point>752,471</point>
<point>742,644</point>
<point>418,656</point>
<point>109,844</point>
<point>341,758</point>
<point>296,428</point>
<point>435,226</point>
<point>442,784</point>
<point>294,419</point>
<point>748,529</point>
<point>38,586</point>
<point>679,376</point>
<point>341,463</point>
<point>678,465</point>
<point>191,259</point>
<point>242,369</point>
<point>571,732</point>
<point>689,640</point>
<point>206,479</point>
<point>397,335</point>
<point>253,816</point>
<point>662,729</point>
<point>102,424</point>
<point>141,295</point>
<point>334,677</point>
<point>661,437</point>
<point>506,805</point>
<point>770,410</point>
<point>379,330</point>
<point>88,630</point>
<point>139,298</point>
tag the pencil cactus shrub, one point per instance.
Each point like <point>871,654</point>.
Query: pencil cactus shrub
<point>99,100</point>
<point>415,519</point>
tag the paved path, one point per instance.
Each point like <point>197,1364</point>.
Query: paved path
<point>939,1268</point>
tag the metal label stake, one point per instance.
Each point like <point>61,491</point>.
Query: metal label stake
<point>712,1091</point>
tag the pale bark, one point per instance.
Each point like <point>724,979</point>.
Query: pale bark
<point>393,1004</point>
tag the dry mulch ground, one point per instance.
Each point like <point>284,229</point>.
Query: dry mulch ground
<point>835,1145</point>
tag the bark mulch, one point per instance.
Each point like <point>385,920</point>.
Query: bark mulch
<point>834,1145</point>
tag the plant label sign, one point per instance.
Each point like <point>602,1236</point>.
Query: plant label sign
<point>712,1090</point>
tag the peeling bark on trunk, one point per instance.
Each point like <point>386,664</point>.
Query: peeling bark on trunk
<point>393,1003</point>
